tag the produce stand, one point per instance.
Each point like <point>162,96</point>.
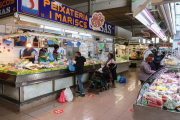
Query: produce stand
<point>21,92</point>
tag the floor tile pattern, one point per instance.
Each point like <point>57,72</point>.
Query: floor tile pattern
<point>113,104</point>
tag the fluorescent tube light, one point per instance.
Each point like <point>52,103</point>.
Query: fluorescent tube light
<point>173,17</point>
<point>84,34</point>
<point>145,17</point>
<point>51,28</point>
<point>69,31</point>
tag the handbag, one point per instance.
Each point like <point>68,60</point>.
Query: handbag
<point>112,66</point>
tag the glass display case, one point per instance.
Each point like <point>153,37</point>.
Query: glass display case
<point>159,96</point>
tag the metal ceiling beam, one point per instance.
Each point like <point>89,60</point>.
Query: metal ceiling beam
<point>118,17</point>
<point>117,20</point>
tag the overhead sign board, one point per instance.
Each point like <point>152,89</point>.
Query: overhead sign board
<point>55,11</point>
<point>7,7</point>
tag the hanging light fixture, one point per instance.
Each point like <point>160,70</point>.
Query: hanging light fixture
<point>145,17</point>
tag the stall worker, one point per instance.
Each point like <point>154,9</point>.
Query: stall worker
<point>29,53</point>
<point>42,52</point>
<point>19,42</point>
<point>55,52</point>
<point>148,51</point>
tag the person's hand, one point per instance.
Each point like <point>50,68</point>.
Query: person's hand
<point>154,71</point>
<point>72,63</point>
<point>23,57</point>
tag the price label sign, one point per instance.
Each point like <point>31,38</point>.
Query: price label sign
<point>58,111</point>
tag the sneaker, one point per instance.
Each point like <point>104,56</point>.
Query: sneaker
<point>81,95</point>
<point>78,92</point>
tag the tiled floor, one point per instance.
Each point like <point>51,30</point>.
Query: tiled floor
<point>113,104</point>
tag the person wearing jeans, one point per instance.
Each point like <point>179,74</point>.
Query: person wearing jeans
<point>80,86</point>
<point>79,67</point>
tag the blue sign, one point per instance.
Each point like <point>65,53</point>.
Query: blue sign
<point>7,7</point>
<point>55,11</point>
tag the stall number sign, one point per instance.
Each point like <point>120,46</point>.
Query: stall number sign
<point>7,7</point>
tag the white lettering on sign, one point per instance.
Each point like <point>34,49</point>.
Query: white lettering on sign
<point>106,29</point>
<point>5,11</point>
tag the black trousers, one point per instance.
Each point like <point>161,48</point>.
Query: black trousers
<point>142,82</point>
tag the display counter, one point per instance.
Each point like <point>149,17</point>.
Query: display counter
<point>135,62</point>
<point>122,66</point>
<point>159,96</point>
<point>22,92</point>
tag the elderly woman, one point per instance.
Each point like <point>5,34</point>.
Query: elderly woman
<point>105,73</point>
<point>145,70</point>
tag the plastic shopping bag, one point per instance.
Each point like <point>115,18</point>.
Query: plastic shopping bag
<point>61,98</point>
<point>68,94</point>
<point>118,78</point>
<point>71,67</point>
<point>122,80</point>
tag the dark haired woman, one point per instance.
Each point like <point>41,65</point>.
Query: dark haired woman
<point>111,64</point>
<point>157,60</point>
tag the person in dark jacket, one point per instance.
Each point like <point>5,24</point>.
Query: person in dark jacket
<point>79,67</point>
<point>157,60</point>
<point>55,53</point>
<point>19,42</point>
<point>153,67</point>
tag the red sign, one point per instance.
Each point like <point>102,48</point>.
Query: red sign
<point>131,110</point>
<point>97,21</point>
<point>58,111</point>
<point>147,34</point>
<point>90,95</point>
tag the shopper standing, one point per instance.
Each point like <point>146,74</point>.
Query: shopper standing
<point>79,66</point>
<point>157,60</point>
<point>152,65</point>
<point>145,70</point>
<point>111,64</point>
<point>148,51</point>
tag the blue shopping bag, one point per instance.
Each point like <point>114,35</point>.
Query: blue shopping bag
<point>71,67</point>
<point>51,58</point>
<point>122,80</point>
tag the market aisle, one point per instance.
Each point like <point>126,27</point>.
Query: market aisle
<point>114,104</point>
